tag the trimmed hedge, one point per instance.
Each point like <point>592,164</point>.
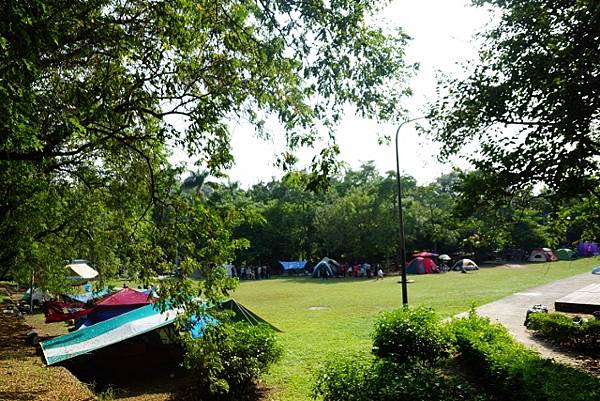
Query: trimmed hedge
<point>367,379</point>
<point>514,372</point>
<point>563,330</point>
<point>411,334</point>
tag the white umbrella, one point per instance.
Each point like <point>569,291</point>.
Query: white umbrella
<point>444,257</point>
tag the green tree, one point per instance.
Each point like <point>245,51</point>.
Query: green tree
<point>93,90</point>
<point>532,103</point>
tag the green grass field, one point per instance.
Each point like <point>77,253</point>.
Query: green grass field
<point>323,317</point>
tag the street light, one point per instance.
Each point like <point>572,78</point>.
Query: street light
<point>401,244</point>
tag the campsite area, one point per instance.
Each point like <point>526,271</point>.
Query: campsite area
<point>326,317</point>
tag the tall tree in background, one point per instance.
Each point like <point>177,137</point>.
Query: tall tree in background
<point>91,91</point>
<point>532,103</point>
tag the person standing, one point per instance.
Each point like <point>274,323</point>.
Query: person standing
<point>379,273</point>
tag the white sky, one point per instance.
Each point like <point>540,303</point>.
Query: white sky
<point>442,37</point>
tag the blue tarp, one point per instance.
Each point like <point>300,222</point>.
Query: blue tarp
<point>88,296</point>
<point>289,265</point>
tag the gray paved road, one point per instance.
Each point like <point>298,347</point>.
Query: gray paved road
<point>511,311</point>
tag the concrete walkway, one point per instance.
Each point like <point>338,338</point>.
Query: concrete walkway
<point>511,311</point>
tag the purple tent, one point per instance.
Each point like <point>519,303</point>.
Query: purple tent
<point>587,249</point>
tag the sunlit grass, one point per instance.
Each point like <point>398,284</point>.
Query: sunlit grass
<point>320,317</point>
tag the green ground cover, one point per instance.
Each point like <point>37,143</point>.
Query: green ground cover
<point>323,317</point>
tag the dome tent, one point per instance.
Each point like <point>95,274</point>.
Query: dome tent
<point>542,255</point>
<point>465,264</point>
<point>566,254</point>
<point>325,268</point>
<point>420,265</point>
<point>587,249</point>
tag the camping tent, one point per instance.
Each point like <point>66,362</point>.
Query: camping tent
<point>103,308</point>
<point>465,264</point>
<point>116,304</point>
<point>129,325</point>
<point>421,265</point>
<point>243,314</point>
<point>108,332</point>
<point>325,268</point>
<point>542,255</point>
<point>587,249</point>
<point>566,254</point>
<point>81,270</point>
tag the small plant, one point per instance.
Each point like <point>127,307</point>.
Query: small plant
<point>344,378</point>
<point>108,394</point>
<point>411,334</point>
<point>229,358</point>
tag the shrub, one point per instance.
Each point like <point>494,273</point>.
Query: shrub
<point>514,372</point>
<point>561,329</point>
<point>371,379</point>
<point>229,358</point>
<point>343,378</point>
<point>411,334</point>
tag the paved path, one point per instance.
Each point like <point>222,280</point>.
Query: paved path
<point>511,311</point>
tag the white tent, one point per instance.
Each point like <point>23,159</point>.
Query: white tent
<point>465,264</point>
<point>82,270</point>
<point>542,255</point>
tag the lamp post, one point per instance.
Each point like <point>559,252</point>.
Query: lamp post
<point>401,242</point>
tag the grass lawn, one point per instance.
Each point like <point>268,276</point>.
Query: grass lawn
<point>322,317</point>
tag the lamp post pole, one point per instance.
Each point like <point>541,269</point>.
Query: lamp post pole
<point>401,257</point>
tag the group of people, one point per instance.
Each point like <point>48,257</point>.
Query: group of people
<point>360,270</point>
<point>249,272</point>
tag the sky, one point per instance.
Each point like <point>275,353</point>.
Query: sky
<point>442,39</point>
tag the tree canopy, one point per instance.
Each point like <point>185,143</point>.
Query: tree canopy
<point>96,92</point>
<point>531,103</point>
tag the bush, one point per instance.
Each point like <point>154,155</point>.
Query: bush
<point>229,358</point>
<point>371,379</point>
<point>561,329</point>
<point>410,335</point>
<point>343,379</point>
<point>514,372</point>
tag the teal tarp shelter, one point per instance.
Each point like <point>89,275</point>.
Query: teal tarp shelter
<point>130,325</point>
<point>108,332</point>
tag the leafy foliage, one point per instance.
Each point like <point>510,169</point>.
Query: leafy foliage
<point>407,334</point>
<point>514,372</point>
<point>583,335</point>
<point>532,102</point>
<point>228,359</point>
<point>364,379</point>
<point>94,94</point>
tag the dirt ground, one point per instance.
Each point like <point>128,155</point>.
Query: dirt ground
<point>23,375</point>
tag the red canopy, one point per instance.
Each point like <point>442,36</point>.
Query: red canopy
<point>126,296</point>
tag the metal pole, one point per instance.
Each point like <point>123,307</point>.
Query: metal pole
<point>401,242</point>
